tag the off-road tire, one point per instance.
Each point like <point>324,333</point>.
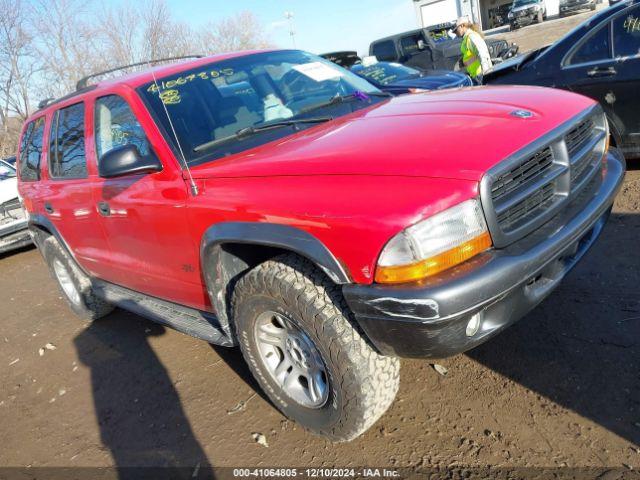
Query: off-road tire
<point>88,305</point>
<point>362,383</point>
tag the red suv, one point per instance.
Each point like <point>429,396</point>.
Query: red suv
<point>278,202</point>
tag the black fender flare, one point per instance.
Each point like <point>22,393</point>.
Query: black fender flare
<point>37,220</point>
<point>220,267</point>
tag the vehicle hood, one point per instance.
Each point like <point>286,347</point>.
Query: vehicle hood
<point>8,190</point>
<point>432,80</point>
<point>456,134</point>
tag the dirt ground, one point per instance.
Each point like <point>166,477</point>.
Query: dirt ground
<point>560,388</point>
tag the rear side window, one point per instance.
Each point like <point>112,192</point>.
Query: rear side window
<point>626,34</point>
<point>31,151</point>
<point>116,126</point>
<point>67,157</point>
<point>384,51</point>
<point>596,48</point>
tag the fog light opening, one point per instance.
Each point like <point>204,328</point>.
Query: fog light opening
<point>474,324</point>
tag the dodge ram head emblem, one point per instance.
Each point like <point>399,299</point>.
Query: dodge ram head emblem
<point>522,113</point>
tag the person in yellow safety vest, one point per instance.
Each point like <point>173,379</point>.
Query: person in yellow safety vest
<point>476,58</point>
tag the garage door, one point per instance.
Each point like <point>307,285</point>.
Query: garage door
<point>439,11</point>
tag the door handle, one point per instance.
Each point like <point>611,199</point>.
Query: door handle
<point>104,209</point>
<point>48,208</point>
<point>602,72</point>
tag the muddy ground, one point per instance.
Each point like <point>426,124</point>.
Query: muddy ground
<point>560,388</point>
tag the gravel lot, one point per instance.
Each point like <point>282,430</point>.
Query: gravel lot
<point>560,388</point>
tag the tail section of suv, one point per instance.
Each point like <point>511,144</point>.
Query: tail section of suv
<point>275,201</point>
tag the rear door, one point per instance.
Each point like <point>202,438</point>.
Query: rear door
<point>144,215</point>
<point>67,198</point>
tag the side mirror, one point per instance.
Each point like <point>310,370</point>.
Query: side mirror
<point>126,160</point>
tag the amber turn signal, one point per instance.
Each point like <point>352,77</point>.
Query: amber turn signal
<point>435,264</point>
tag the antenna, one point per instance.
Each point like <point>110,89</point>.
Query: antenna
<point>194,187</point>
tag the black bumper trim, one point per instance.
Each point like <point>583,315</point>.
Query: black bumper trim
<point>429,319</point>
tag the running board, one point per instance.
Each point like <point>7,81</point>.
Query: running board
<point>196,323</point>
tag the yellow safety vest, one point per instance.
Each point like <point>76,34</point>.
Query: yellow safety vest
<point>466,48</point>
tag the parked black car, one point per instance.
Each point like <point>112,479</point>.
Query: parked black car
<point>570,6</point>
<point>432,48</point>
<point>600,59</point>
<point>397,79</point>
<point>345,59</point>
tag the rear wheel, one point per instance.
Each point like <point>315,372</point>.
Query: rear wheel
<point>308,355</point>
<point>73,283</point>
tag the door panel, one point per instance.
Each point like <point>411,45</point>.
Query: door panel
<point>144,216</point>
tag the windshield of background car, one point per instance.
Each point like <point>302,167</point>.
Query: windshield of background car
<point>386,73</point>
<point>520,3</point>
<point>215,101</point>
<point>6,171</point>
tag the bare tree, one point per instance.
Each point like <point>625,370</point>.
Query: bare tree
<point>67,42</point>
<point>162,36</point>
<point>242,31</point>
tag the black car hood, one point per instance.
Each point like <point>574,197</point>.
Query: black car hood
<point>512,64</point>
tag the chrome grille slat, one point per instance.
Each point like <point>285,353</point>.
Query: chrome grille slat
<point>523,192</point>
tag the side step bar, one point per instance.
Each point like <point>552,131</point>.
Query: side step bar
<point>202,325</point>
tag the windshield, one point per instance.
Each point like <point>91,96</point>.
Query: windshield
<point>520,3</point>
<point>216,101</point>
<point>384,73</point>
<point>6,171</point>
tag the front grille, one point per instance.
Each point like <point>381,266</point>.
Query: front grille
<point>524,209</point>
<point>522,193</point>
<point>578,136</point>
<point>516,178</point>
<point>10,212</point>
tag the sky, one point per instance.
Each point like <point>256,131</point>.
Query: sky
<point>320,25</point>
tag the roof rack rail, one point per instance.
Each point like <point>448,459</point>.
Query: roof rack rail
<point>45,102</point>
<point>82,83</point>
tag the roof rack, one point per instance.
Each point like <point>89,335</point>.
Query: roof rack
<point>82,83</point>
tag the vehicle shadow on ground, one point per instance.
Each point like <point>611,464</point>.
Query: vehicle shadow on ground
<point>138,409</point>
<point>17,251</point>
<point>581,347</point>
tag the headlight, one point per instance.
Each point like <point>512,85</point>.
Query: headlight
<point>435,244</point>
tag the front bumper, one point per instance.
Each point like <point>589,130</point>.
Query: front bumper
<point>429,319</point>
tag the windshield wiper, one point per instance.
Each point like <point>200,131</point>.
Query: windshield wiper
<point>248,131</point>
<point>362,96</point>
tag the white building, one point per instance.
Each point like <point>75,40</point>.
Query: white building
<point>482,12</point>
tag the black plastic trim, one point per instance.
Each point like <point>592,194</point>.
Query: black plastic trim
<point>220,267</point>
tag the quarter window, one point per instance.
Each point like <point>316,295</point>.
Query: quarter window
<point>596,48</point>
<point>31,151</point>
<point>116,126</point>
<point>384,51</point>
<point>68,158</point>
<point>626,34</point>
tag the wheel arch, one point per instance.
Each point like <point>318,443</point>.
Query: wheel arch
<point>230,249</point>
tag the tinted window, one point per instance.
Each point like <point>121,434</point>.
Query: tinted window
<point>597,47</point>
<point>31,150</point>
<point>626,34</point>
<point>67,143</point>
<point>6,171</point>
<point>409,44</point>
<point>384,50</point>
<point>116,126</point>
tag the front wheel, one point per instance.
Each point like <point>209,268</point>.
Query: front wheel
<point>296,334</point>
